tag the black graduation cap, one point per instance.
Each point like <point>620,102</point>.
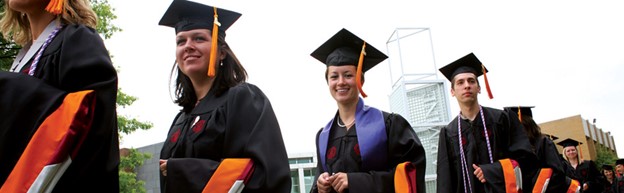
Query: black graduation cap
<point>569,142</point>
<point>345,48</point>
<point>619,162</point>
<point>521,110</point>
<point>467,64</point>
<point>184,15</point>
<point>552,137</point>
<point>607,167</point>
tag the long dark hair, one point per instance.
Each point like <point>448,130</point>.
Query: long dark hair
<point>229,74</point>
<point>533,131</point>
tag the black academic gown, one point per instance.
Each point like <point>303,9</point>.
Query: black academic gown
<point>608,187</point>
<point>343,155</point>
<point>238,124</point>
<point>507,140</point>
<point>548,157</point>
<point>75,60</point>
<point>618,185</point>
<point>587,173</point>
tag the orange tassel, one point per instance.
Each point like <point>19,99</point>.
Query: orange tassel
<point>487,85</point>
<point>580,153</point>
<point>358,76</point>
<point>213,48</point>
<point>55,6</point>
<point>519,114</point>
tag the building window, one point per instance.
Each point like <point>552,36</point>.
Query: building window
<point>301,160</point>
<point>308,178</point>
<point>294,178</point>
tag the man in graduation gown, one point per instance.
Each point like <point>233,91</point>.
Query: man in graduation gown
<point>486,153</point>
<point>619,176</point>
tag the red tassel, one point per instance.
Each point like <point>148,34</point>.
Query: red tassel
<point>487,84</point>
<point>358,76</point>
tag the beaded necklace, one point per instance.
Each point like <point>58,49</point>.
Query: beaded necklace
<point>464,165</point>
<point>33,66</point>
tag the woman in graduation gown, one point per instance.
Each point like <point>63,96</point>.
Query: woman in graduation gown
<point>362,149</point>
<point>609,181</point>
<point>585,171</point>
<point>60,51</point>
<point>550,171</point>
<point>227,127</point>
<point>491,144</point>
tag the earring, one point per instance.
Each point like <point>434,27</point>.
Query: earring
<point>221,64</point>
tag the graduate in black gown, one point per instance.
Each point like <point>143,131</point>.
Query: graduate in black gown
<point>227,135</point>
<point>362,149</point>
<point>619,176</point>
<point>585,171</point>
<point>491,146</point>
<point>61,54</point>
<point>609,180</point>
<point>550,166</point>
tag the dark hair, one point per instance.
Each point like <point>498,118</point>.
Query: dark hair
<point>229,74</point>
<point>612,173</point>
<point>533,131</point>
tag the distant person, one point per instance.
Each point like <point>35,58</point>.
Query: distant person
<point>609,181</point>
<point>585,171</point>
<point>58,131</point>
<point>483,149</point>
<point>362,149</point>
<point>619,168</point>
<point>619,171</point>
<point>550,175</point>
<point>226,135</point>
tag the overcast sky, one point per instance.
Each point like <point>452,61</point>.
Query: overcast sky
<point>563,57</point>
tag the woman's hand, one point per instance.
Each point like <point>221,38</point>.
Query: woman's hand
<point>323,184</point>
<point>340,182</point>
<point>163,167</point>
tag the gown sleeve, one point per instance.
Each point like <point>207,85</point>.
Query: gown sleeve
<point>593,177</point>
<point>252,131</point>
<point>403,145</point>
<point>512,143</point>
<point>445,170</point>
<point>24,104</point>
<point>319,167</point>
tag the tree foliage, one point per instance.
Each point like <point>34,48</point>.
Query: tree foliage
<point>604,156</point>
<point>128,181</point>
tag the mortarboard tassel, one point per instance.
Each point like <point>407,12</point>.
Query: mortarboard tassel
<point>55,6</point>
<point>358,76</point>
<point>487,85</point>
<point>519,114</point>
<point>580,153</point>
<point>213,48</point>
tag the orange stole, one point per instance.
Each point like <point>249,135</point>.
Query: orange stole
<point>542,180</point>
<point>49,151</point>
<point>574,186</point>
<point>230,176</point>
<point>509,174</point>
<point>405,178</point>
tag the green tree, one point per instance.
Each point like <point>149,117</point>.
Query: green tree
<point>604,156</point>
<point>128,181</point>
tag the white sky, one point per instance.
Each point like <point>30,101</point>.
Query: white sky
<point>561,56</point>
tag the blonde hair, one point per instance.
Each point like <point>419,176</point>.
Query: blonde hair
<point>14,25</point>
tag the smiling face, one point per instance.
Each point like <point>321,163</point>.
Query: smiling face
<point>193,52</point>
<point>570,152</point>
<point>342,84</point>
<point>465,88</point>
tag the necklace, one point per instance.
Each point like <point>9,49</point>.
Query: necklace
<point>341,125</point>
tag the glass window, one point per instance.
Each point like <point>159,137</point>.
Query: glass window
<point>294,177</point>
